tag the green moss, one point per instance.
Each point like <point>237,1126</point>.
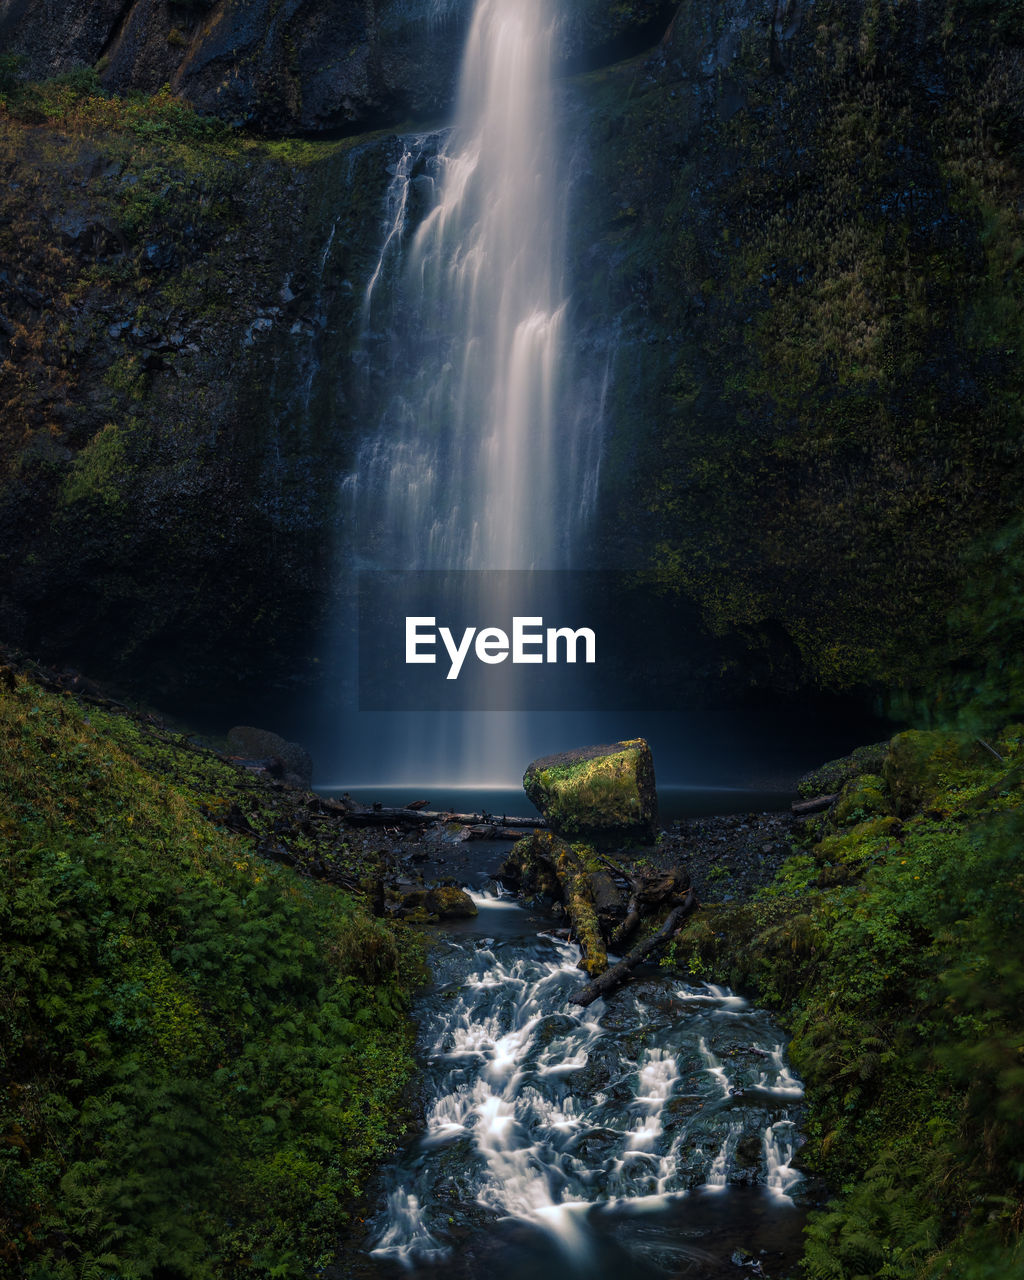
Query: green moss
<point>830,778</point>
<point>815,337</point>
<point>890,951</point>
<point>191,1034</point>
<point>931,769</point>
<point>866,796</point>
<point>606,793</point>
<point>864,842</point>
<point>100,470</point>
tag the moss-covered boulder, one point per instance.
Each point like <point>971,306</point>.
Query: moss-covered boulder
<point>833,776</point>
<point>445,902</point>
<point>861,798</point>
<point>922,765</point>
<point>604,794</point>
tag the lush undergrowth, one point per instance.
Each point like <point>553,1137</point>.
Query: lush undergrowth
<point>77,102</point>
<point>893,941</point>
<point>202,1053</point>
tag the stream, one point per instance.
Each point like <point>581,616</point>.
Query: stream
<point>649,1135</point>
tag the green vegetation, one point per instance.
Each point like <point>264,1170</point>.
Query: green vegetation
<point>78,101</point>
<point>813,269</point>
<point>891,942</point>
<point>203,1054</point>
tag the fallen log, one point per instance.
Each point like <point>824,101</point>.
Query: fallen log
<point>578,893</point>
<point>649,889</point>
<point>390,815</point>
<point>487,831</point>
<point>542,863</point>
<point>614,977</point>
<point>803,807</point>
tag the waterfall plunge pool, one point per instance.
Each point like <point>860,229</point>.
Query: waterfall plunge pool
<point>650,1135</point>
<point>673,802</point>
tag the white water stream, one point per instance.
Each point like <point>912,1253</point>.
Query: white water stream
<point>563,1119</point>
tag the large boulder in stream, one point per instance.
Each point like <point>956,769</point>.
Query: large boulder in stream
<point>603,794</point>
<point>446,902</point>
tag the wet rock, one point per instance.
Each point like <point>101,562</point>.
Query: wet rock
<point>831,777</point>
<point>446,902</point>
<point>605,794</point>
<point>89,237</point>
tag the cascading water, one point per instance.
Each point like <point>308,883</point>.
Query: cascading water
<point>464,471</point>
<point>483,456</point>
<point>651,1136</point>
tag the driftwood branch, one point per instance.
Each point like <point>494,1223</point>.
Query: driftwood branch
<point>488,831</point>
<point>993,750</point>
<point>803,807</point>
<point>614,977</point>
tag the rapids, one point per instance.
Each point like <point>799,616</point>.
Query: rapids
<point>648,1135</point>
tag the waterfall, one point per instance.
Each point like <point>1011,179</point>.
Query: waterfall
<point>479,455</point>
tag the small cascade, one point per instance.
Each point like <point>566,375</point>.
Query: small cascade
<point>396,209</point>
<point>779,1148</point>
<point>556,1121</point>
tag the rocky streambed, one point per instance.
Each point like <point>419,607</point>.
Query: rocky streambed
<point>652,1134</point>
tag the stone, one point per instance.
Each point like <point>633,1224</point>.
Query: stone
<point>922,764</point>
<point>605,794</point>
<point>246,740</point>
<point>447,902</point>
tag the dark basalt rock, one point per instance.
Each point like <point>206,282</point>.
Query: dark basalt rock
<point>301,65</point>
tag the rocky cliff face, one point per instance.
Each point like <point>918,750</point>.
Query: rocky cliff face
<point>176,380</point>
<point>797,246</point>
<point>287,66</point>
<point>802,224</point>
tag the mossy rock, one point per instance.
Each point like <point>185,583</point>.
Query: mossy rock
<point>860,843</point>
<point>861,798</point>
<point>833,776</point>
<point>603,794</point>
<point>445,902</point>
<point>922,765</point>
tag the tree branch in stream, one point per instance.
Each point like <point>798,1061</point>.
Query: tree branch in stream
<point>614,977</point>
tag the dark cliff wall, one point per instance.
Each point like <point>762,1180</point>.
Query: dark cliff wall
<point>176,314</point>
<point>797,241</point>
<point>296,65</point>
<point>802,224</point>
<point>287,66</point>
